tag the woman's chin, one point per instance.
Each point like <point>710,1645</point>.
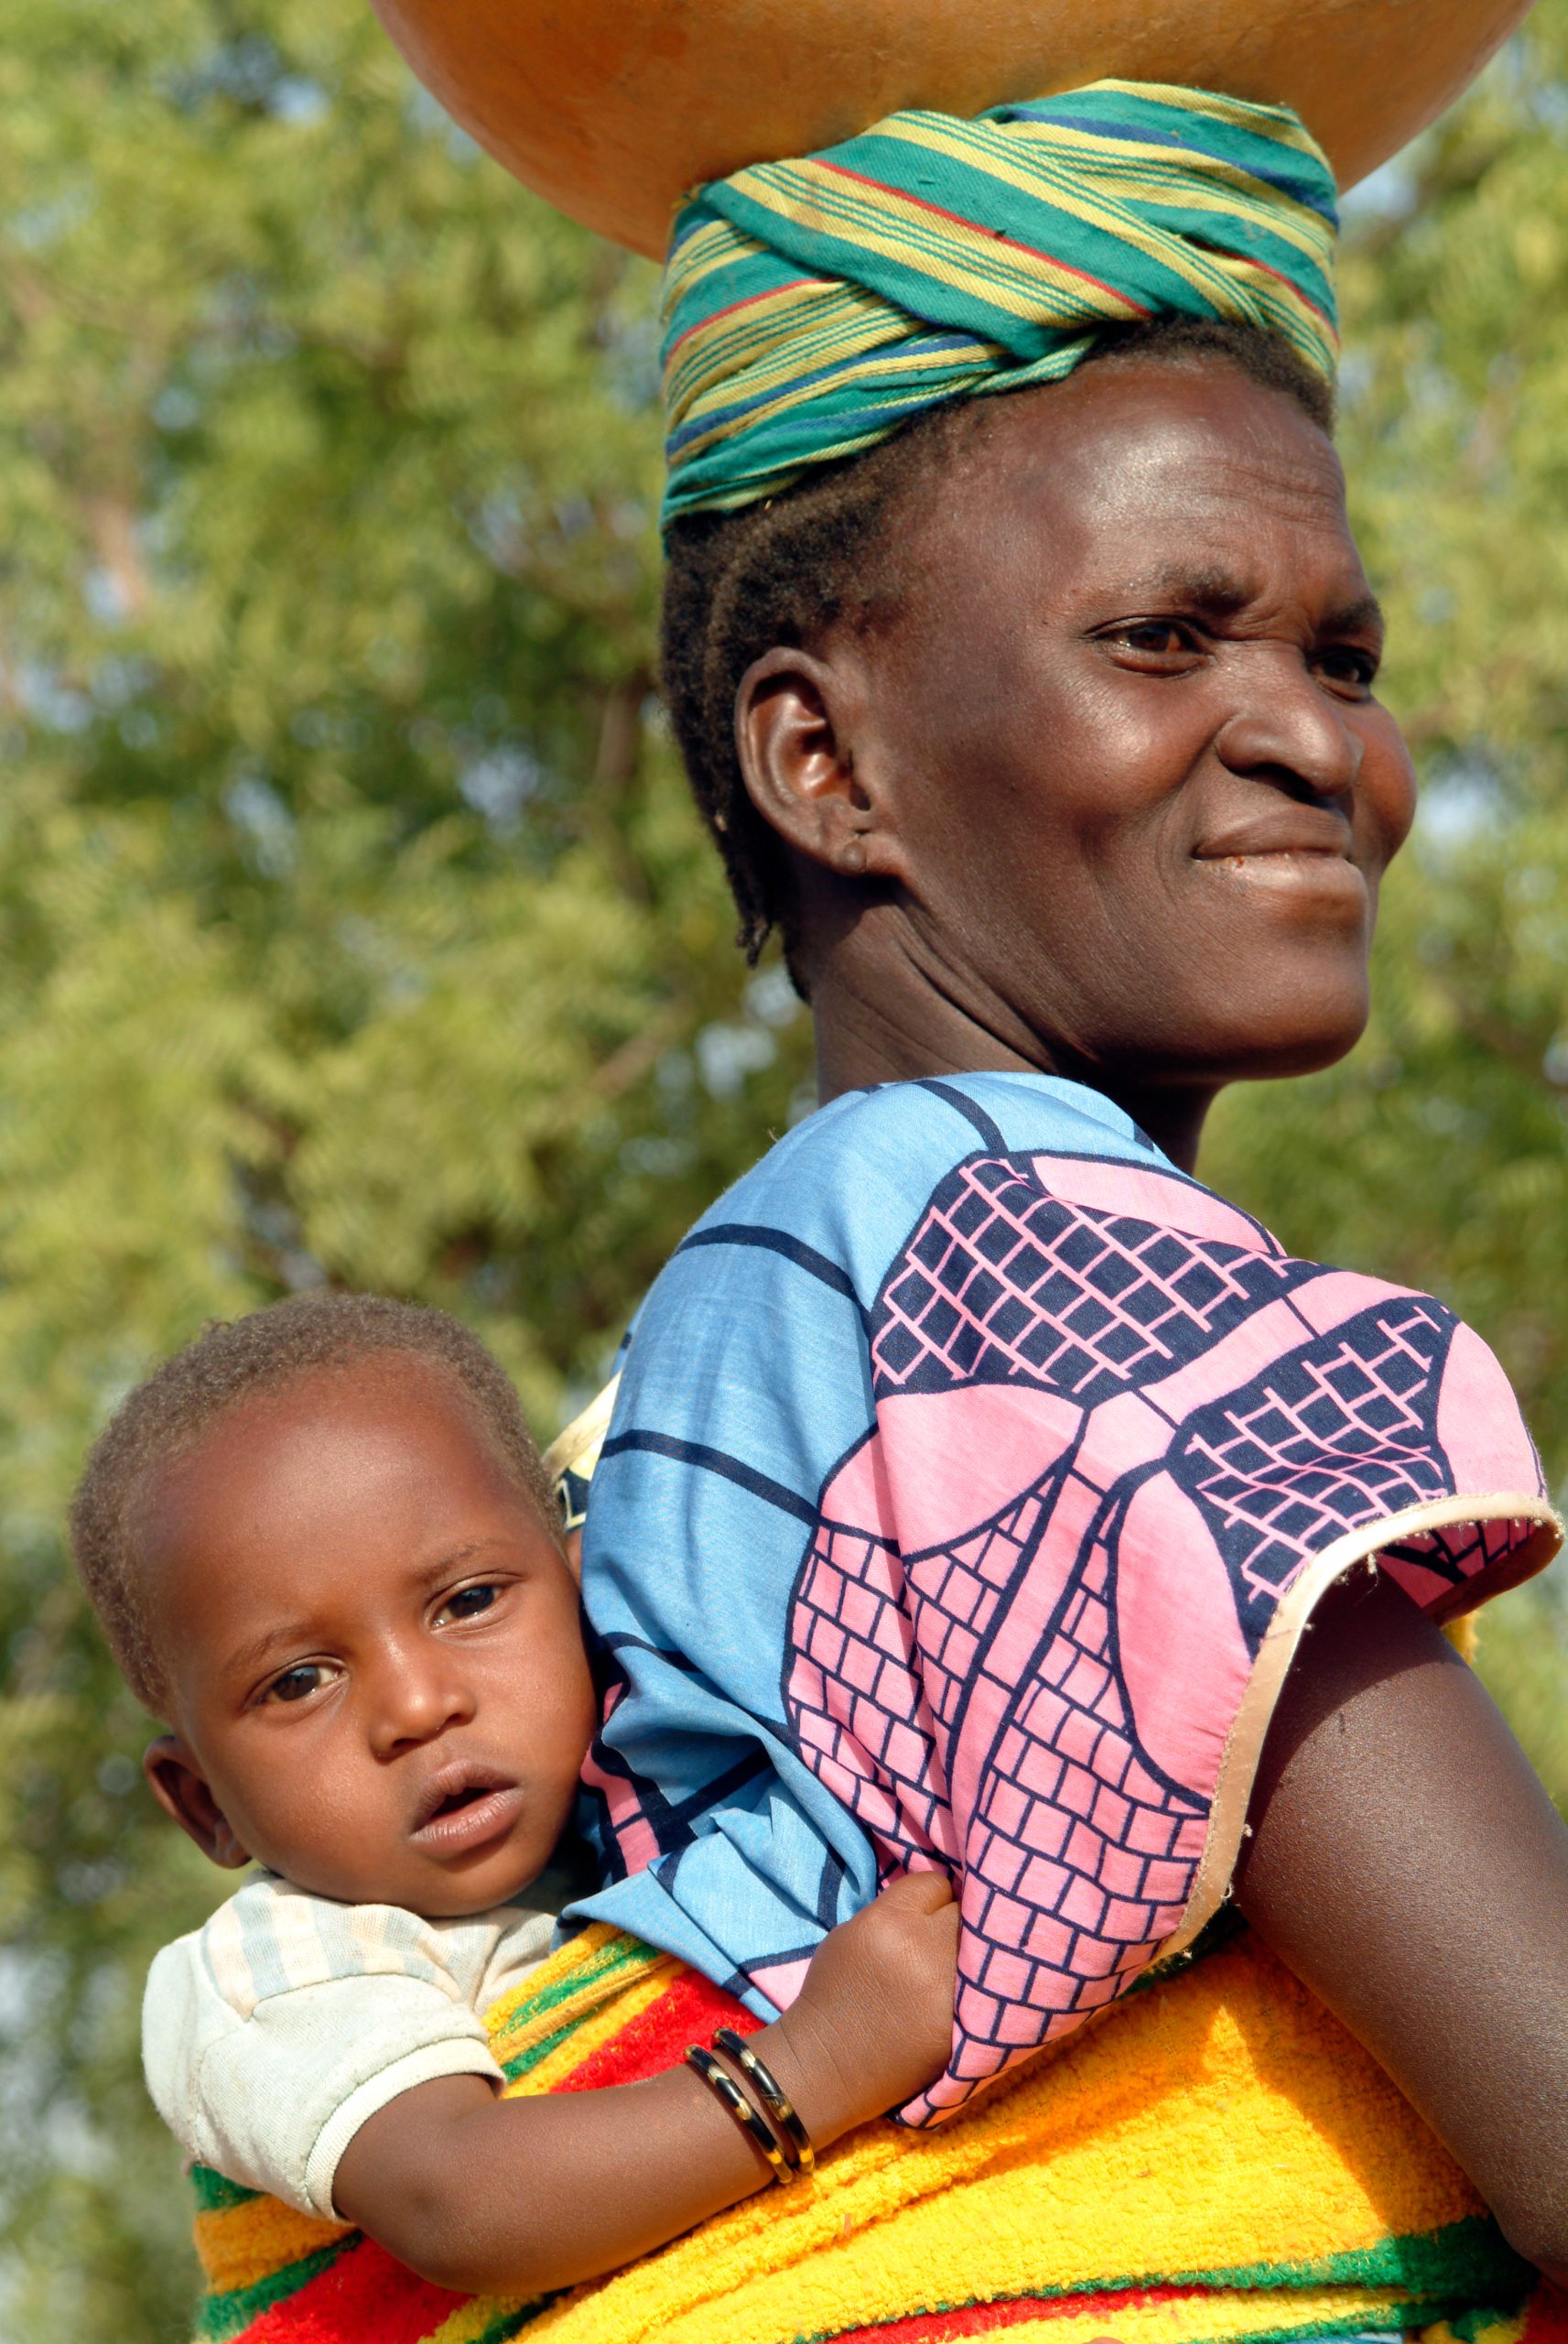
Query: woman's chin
<point>1274,1013</point>
<point>1259,1031</point>
<point>1305,1046</point>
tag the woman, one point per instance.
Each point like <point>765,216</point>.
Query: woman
<point>1046,733</point>
<point>975,1475</point>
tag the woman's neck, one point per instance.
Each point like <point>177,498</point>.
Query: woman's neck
<point>890,1021</point>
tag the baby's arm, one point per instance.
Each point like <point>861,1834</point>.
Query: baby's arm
<point>1408,1866</point>
<point>516,2197</point>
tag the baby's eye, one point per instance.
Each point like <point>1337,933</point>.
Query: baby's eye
<point>469,1602</point>
<point>295,1684</point>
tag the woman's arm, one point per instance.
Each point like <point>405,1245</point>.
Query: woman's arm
<point>1407,1864</point>
<point>516,2197</point>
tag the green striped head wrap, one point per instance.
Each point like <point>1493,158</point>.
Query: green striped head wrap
<point>813,305</point>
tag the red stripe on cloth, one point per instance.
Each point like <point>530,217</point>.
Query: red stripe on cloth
<point>364,2297</point>
<point>1546,2317</point>
<point>747,301</point>
<point>991,2320</point>
<point>1304,298</point>
<point>1014,244</point>
<point>688,2011</point>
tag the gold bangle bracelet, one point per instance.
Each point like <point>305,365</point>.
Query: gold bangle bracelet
<point>737,2103</point>
<point>793,2138</point>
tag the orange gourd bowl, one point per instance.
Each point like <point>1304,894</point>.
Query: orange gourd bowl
<point>611,109</point>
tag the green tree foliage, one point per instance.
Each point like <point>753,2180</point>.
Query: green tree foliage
<point>352,923</point>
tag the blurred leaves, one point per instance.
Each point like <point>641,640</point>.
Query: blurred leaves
<point>353,925</point>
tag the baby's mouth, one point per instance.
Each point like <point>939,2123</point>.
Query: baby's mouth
<point>465,1807</point>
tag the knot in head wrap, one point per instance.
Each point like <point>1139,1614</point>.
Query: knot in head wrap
<point>813,305</point>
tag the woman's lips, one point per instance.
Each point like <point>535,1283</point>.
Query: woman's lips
<point>1291,871</point>
<point>484,1815</point>
<point>1280,831</point>
<point>1312,858</point>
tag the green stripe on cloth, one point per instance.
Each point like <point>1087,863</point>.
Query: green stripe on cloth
<point>814,305</point>
<point>526,2061</point>
<point>228,2315</point>
<point>508,2324</point>
<point>619,1960</point>
<point>214,2195</point>
<point>1404,2322</point>
<point>1462,2263</point>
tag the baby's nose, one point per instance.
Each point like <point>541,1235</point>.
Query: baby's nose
<point>415,1703</point>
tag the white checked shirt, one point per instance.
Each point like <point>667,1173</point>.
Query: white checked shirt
<point>271,2035</point>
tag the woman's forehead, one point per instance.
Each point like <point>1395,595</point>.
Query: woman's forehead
<point>1168,475</point>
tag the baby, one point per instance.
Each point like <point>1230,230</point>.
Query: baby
<point>327,1555</point>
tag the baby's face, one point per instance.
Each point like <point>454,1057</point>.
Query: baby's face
<point>372,1643</point>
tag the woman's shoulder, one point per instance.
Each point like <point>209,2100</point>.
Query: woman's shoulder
<point>800,1256</point>
<point>895,1142</point>
<point>872,1183</point>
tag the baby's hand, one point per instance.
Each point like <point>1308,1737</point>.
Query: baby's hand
<point>873,2023</point>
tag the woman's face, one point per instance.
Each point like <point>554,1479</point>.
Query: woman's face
<point>1120,748</point>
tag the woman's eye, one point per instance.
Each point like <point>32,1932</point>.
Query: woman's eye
<point>1345,665</point>
<point>1155,638</point>
<point>469,1602</point>
<point>295,1684</point>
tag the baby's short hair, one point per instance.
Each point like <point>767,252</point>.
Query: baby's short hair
<point>235,1360</point>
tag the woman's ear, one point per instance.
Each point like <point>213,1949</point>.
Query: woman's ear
<point>181,1790</point>
<point>800,728</point>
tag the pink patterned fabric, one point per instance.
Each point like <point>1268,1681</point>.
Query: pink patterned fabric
<point>1083,1371</point>
<point>972,1475</point>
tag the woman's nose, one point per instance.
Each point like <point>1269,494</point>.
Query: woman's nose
<point>414,1698</point>
<point>1291,732</point>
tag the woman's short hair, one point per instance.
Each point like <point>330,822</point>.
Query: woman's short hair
<point>782,571</point>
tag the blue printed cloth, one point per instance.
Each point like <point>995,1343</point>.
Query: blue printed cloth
<point>972,1475</point>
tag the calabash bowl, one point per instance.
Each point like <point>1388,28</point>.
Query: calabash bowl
<point>611,109</point>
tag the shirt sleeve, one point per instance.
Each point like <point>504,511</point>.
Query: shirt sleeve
<point>274,2033</point>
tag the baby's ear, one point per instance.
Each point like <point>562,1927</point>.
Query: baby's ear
<point>571,1547</point>
<point>181,1790</point>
